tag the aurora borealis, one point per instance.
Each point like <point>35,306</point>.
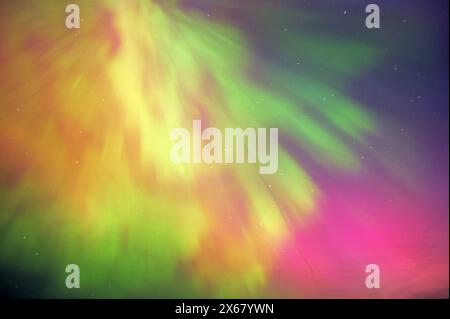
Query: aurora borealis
<point>86,178</point>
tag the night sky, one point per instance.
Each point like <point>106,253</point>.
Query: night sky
<point>85,176</point>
